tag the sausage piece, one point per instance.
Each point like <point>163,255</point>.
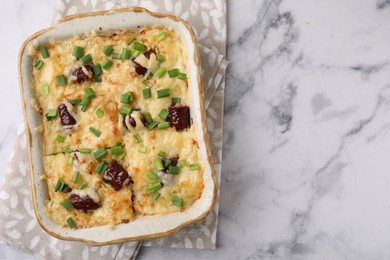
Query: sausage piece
<point>116,176</point>
<point>83,203</point>
<point>66,118</point>
<point>179,117</point>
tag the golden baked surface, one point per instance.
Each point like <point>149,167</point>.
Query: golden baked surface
<point>118,140</point>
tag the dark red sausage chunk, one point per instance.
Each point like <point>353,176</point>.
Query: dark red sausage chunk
<point>80,74</point>
<point>148,53</point>
<point>179,117</point>
<point>116,176</point>
<point>139,69</point>
<point>66,118</point>
<point>83,203</point>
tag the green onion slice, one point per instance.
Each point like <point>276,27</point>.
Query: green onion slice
<point>107,64</point>
<point>99,113</point>
<point>164,113</point>
<point>51,114</point>
<point>137,138</point>
<point>116,150</point>
<point>162,93</point>
<point>78,52</point>
<point>99,154</point>
<point>89,93</point>
<point>69,160</point>
<point>107,50</point>
<point>152,125</point>
<point>173,73</point>
<point>85,150</point>
<point>75,177</point>
<point>163,125</point>
<point>177,201</point>
<point>45,90</point>
<point>152,176</point>
<point>60,80</point>
<point>39,64</point>
<point>66,204</point>
<point>147,93</point>
<point>159,165</point>
<point>71,222</point>
<point>97,69</point>
<point>125,110</point>
<point>60,139</point>
<point>142,149</point>
<point>139,46</point>
<point>95,131</point>
<point>156,195</point>
<point>160,72</point>
<point>160,36</point>
<point>173,170</point>
<point>162,154</point>
<point>194,167</point>
<point>102,167</point>
<point>147,117</point>
<point>135,53</point>
<point>116,56</point>
<point>182,76</point>
<point>176,100</point>
<point>44,52</point>
<point>75,101</point>
<point>83,185</point>
<point>126,54</point>
<point>86,59</point>
<point>160,58</point>
<point>126,97</point>
<point>131,40</point>
<point>59,185</point>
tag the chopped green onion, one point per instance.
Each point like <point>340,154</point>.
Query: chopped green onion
<point>78,52</point>
<point>44,52</point>
<point>96,78</point>
<point>120,156</point>
<point>95,131</point>
<point>126,97</point>
<point>75,177</point>
<point>99,113</point>
<point>152,125</point>
<point>160,36</point>
<point>160,58</point>
<point>102,167</point>
<point>97,69</point>
<point>107,50</point>
<point>139,46</point>
<point>118,144</point>
<point>45,90</point>
<point>83,185</point>
<point>84,101</point>
<point>156,195</point>
<point>160,72</point>
<point>147,83</point>
<point>89,93</point>
<point>176,100</point>
<point>107,64</point>
<point>162,93</point>
<point>159,165</point>
<point>116,150</point>
<point>173,170</point>
<point>69,160</point>
<point>173,73</point>
<point>152,176</point>
<point>164,113</point>
<point>137,138</point>
<point>131,40</point>
<point>85,150</point>
<point>60,80</point>
<point>126,54</point>
<point>75,101</point>
<point>162,154</point>
<point>67,150</point>
<point>135,53</point>
<point>182,76</point>
<point>153,187</point>
<point>66,204</point>
<point>147,117</point>
<point>99,154</point>
<point>60,139</point>
<point>39,64</point>
<point>142,149</point>
<point>182,163</point>
<point>71,223</point>
<point>86,59</point>
<point>116,56</point>
<point>51,114</point>
<point>125,110</point>
<point>194,167</point>
<point>167,163</point>
<point>149,76</point>
<point>147,93</point>
<point>163,125</point>
<point>177,201</point>
<point>59,185</point>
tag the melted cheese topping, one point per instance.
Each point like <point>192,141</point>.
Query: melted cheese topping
<point>114,128</point>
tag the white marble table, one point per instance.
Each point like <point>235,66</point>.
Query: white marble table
<point>306,172</point>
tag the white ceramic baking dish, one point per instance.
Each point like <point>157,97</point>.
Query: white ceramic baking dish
<point>146,226</point>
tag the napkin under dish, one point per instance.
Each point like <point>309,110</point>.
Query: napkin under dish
<point>19,227</point>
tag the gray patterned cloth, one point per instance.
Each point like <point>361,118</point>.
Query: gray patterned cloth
<point>18,226</point>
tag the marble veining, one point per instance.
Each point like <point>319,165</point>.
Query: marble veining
<point>306,170</point>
